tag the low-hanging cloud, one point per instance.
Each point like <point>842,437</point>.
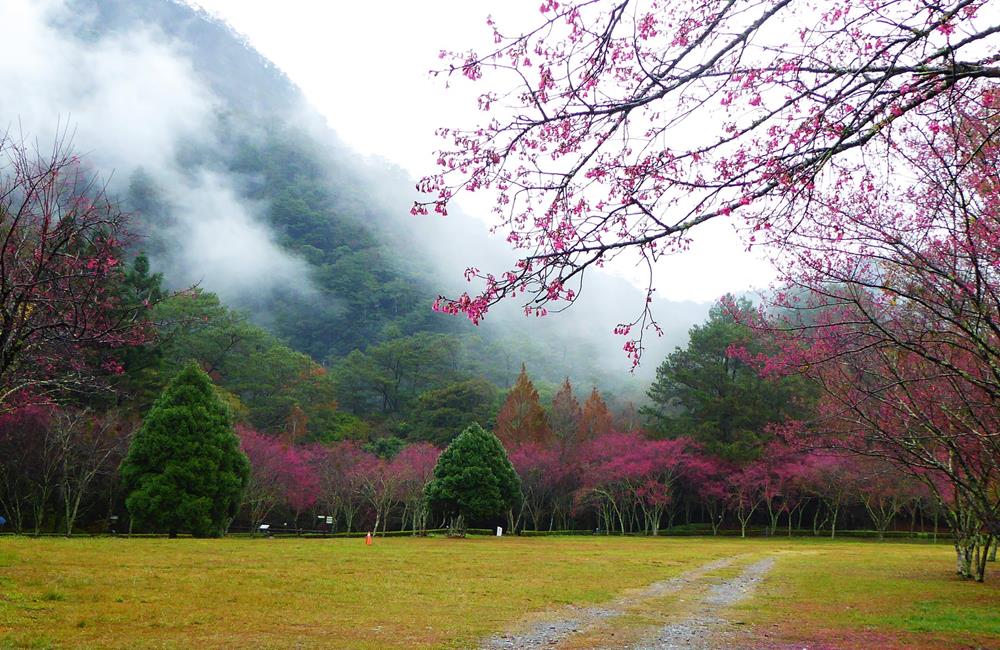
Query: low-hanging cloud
<point>133,100</point>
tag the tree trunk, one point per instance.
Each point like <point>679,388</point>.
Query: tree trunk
<point>980,552</point>
<point>71,513</point>
<point>773,515</point>
<point>963,556</point>
<point>38,510</point>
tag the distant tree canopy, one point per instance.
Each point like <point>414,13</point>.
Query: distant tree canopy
<point>442,412</point>
<point>269,385</point>
<point>704,392</point>
<point>473,480</point>
<point>184,470</point>
<point>387,377</point>
<point>385,448</point>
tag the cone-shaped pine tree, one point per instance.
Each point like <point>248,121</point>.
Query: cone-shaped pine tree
<point>473,479</point>
<point>565,413</point>
<point>184,470</point>
<point>522,418</point>
<point>596,419</point>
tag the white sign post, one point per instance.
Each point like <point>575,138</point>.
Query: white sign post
<point>499,531</point>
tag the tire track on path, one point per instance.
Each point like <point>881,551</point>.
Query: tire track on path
<point>699,631</point>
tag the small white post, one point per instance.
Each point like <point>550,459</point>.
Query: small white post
<point>499,531</point>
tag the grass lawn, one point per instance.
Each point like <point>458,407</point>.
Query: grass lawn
<point>411,593</point>
<point>866,594</point>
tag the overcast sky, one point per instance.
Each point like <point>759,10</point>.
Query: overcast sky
<point>365,67</point>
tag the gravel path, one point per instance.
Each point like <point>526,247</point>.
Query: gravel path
<point>694,632</point>
<point>571,620</point>
<point>698,630</point>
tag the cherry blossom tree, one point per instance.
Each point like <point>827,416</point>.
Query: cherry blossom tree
<point>90,446</point>
<point>708,476</point>
<point>29,464</point>
<point>890,302</point>
<point>883,490</point>
<point>745,493</point>
<point>621,126</point>
<point>782,474</point>
<point>281,474</point>
<point>62,309</point>
<point>379,485</point>
<point>543,473</point>
<point>831,479</point>
<point>414,467</point>
<point>632,477</point>
<point>340,491</point>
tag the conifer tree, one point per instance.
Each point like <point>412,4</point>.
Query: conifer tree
<point>473,480</point>
<point>184,470</point>
<point>596,419</point>
<point>522,418</point>
<point>565,413</point>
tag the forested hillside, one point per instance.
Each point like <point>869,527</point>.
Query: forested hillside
<point>367,270</point>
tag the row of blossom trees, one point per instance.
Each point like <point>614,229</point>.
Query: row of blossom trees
<point>343,481</point>
<point>615,482</point>
<point>622,482</point>
<point>629,483</point>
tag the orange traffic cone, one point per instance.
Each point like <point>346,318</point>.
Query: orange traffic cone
<point>368,539</point>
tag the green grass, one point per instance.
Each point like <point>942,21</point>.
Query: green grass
<point>414,593</point>
<point>869,594</point>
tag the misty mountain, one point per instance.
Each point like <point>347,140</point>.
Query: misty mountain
<point>240,187</point>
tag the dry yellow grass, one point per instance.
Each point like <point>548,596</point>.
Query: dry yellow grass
<point>419,593</point>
